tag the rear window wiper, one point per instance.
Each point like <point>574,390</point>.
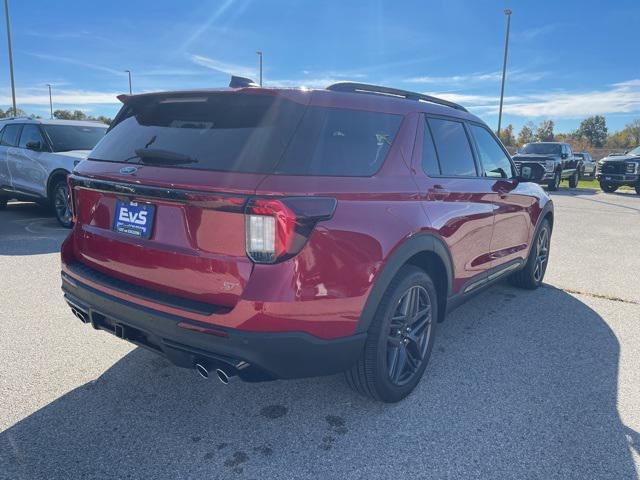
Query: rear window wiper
<point>163,157</point>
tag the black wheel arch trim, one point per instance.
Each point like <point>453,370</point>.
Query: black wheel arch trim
<point>418,243</point>
<point>544,213</point>
<point>50,181</point>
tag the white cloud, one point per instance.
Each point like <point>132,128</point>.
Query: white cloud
<point>517,75</point>
<point>208,23</point>
<point>311,82</point>
<point>40,96</point>
<point>623,97</point>
<point>533,33</point>
<point>224,67</point>
<point>73,61</point>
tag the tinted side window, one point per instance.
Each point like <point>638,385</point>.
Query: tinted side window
<point>340,142</point>
<point>10,135</point>
<point>494,161</point>
<point>430,163</point>
<point>31,133</point>
<point>452,145</point>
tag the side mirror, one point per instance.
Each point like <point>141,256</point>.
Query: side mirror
<point>531,172</point>
<point>35,146</point>
<point>564,155</point>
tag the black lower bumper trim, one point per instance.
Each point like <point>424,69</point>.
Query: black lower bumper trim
<point>254,356</point>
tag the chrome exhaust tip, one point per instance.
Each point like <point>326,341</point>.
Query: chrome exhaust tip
<point>202,370</point>
<point>223,376</point>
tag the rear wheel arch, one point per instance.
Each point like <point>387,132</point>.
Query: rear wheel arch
<point>54,177</point>
<point>425,251</point>
<point>545,214</point>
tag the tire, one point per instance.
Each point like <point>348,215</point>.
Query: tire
<point>394,359</point>
<point>638,189</point>
<point>531,276</point>
<point>3,203</point>
<point>608,187</point>
<point>60,203</point>
<point>573,180</point>
<point>554,184</point>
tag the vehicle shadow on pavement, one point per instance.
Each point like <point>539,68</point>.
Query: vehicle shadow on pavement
<point>521,384</point>
<point>29,229</point>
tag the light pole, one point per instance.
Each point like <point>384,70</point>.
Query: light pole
<point>13,83</point>
<point>507,12</point>
<point>50,101</point>
<point>260,55</point>
<point>129,72</point>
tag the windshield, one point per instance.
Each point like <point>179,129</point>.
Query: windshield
<point>635,151</point>
<point>542,148</point>
<point>249,133</point>
<point>65,138</point>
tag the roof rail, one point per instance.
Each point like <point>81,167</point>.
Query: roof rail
<point>16,118</point>
<point>355,87</point>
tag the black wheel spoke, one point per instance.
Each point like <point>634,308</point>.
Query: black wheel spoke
<point>62,203</point>
<point>542,254</point>
<point>408,337</point>
<point>400,364</point>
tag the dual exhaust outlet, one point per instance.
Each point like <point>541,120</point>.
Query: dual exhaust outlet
<point>224,376</point>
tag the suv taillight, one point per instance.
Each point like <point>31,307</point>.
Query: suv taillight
<point>277,229</point>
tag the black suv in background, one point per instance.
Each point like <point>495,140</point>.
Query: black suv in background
<point>557,159</point>
<point>618,169</point>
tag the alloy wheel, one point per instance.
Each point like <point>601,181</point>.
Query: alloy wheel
<point>409,334</point>
<point>542,255</point>
<point>62,203</point>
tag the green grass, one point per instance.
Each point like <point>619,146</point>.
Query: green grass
<point>592,184</point>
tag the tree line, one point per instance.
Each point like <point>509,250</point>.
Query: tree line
<point>59,114</point>
<point>592,133</point>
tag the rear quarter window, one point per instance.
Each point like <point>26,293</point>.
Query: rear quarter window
<point>339,142</point>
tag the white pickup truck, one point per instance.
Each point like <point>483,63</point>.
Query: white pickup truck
<point>37,155</point>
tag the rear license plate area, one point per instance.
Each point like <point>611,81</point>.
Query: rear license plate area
<point>133,218</point>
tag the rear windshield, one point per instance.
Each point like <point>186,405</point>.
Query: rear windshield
<point>542,148</point>
<point>65,138</point>
<point>249,133</point>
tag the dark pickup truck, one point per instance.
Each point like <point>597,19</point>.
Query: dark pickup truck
<point>617,170</point>
<point>557,159</point>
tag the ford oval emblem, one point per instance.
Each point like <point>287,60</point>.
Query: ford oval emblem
<point>128,170</point>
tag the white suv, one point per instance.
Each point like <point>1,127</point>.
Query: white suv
<point>37,155</point>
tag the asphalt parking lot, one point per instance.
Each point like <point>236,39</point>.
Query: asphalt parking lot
<point>542,384</point>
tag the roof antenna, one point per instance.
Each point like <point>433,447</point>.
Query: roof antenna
<point>241,82</point>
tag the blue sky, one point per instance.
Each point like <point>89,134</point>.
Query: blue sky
<point>567,59</point>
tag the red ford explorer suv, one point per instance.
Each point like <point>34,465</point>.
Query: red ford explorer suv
<point>280,233</point>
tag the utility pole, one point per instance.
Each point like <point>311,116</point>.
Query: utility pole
<point>13,83</point>
<point>129,72</point>
<point>50,101</point>
<point>507,12</point>
<point>260,55</point>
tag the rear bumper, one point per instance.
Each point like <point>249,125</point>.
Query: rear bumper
<point>254,356</point>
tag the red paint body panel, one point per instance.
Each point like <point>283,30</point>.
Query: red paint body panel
<point>197,251</point>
